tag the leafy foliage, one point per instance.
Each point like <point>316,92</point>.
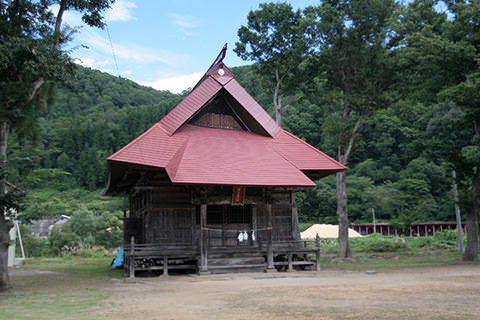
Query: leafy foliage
<point>414,71</point>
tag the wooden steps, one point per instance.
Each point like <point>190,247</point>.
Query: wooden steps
<point>231,262</point>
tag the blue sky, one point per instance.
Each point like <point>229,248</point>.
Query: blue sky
<point>167,45</point>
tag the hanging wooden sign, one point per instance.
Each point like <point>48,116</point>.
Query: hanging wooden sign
<point>238,196</point>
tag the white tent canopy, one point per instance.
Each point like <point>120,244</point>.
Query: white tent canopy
<point>326,231</point>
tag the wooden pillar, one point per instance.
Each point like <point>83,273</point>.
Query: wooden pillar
<point>254,226</point>
<point>131,267</point>
<point>433,229</point>
<point>411,231</point>
<point>194,225</point>
<point>426,230</point>
<point>418,230</point>
<point>381,230</point>
<point>270,266</point>
<point>317,253</point>
<point>204,235</point>
<point>165,265</point>
<point>295,229</point>
<point>388,230</point>
<point>449,227</point>
<point>290,263</point>
<point>441,227</point>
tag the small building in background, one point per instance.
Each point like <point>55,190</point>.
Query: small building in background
<point>42,228</point>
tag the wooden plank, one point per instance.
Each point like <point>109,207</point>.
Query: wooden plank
<point>131,268</point>
<point>165,265</point>
<point>203,244</point>
<point>269,236</point>
<point>254,226</point>
<point>295,229</point>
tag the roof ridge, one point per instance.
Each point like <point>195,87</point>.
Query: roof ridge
<point>176,160</point>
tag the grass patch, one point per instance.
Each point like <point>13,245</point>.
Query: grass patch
<point>98,267</point>
<point>77,303</point>
<point>73,291</point>
<point>385,252</point>
<point>363,262</point>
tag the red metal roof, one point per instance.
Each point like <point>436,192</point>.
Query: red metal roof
<point>252,107</point>
<point>221,73</point>
<point>191,104</point>
<point>205,91</point>
<point>231,157</point>
<point>153,148</point>
<point>302,155</point>
<point>198,155</point>
<point>208,156</point>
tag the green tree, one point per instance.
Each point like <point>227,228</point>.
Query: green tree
<point>441,54</point>
<point>31,62</point>
<point>353,55</point>
<point>274,38</point>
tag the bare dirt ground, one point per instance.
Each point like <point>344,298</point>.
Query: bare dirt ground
<point>451,292</point>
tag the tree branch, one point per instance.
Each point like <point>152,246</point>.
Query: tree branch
<point>35,86</point>
<point>355,131</point>
<point>278,81</point>
<point>58,24</point>
<point>477,129</point>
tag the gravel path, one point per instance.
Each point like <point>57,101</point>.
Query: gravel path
<point>451,292</point>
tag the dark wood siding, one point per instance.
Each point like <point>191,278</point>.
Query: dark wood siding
<point>169,226</point>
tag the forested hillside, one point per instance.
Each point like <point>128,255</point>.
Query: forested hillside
<point>86,124</point>
<point>400,166</point>
<point>397,168</point>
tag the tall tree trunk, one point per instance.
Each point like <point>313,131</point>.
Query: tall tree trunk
<point>5,225</point>
<point>278,109</point>
<point>345,149</point>
<point>458,216</point>
<point>471,250</point>
<point>278,97</point>
<point>58,24</point>
<point>342,214</point>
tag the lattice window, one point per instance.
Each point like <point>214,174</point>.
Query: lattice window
<point>227,214</point>
<point>214,215</point>
<point>238,214</point>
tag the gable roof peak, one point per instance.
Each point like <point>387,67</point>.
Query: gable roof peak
<point>218,77</point>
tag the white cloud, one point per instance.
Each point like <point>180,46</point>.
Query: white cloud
<point>121,11</point>
<point>133,52</point>
<point>92,63</point>
<point>127,72</point>
<point>184,23</point>
<point>174,83</point>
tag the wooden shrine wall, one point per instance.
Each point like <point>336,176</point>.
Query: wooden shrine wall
<point>170,214</point>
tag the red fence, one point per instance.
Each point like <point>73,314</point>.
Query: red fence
<point>423,229</point>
